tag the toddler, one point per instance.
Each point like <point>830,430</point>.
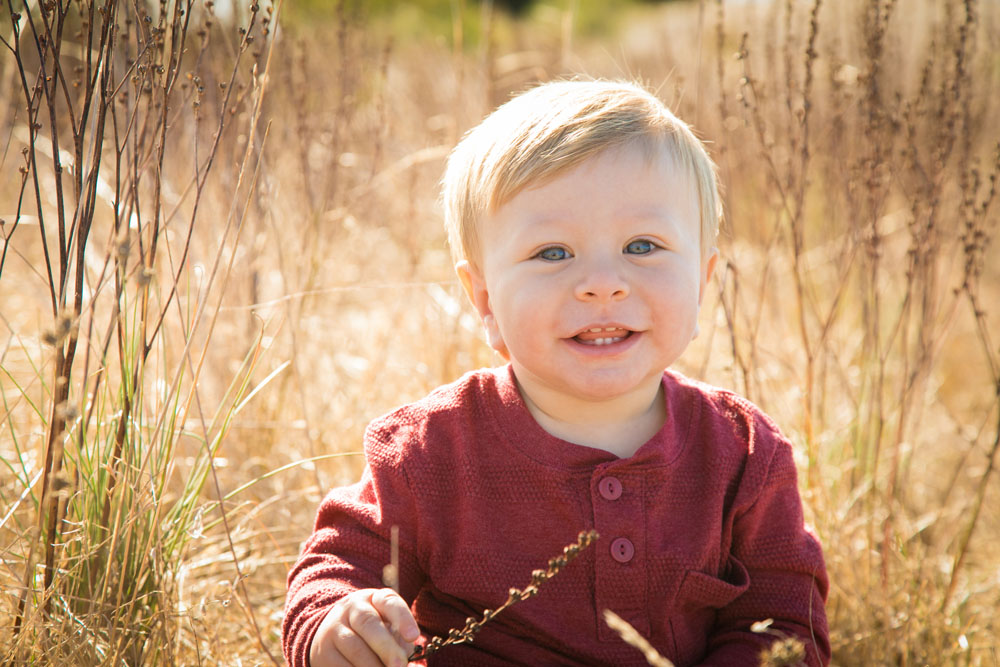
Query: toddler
<point>582,217</point>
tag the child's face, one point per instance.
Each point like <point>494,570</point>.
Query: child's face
<point>590,284</point>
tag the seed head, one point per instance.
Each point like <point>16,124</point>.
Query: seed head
<point>67,412</point>
<point>61,484</point>
<point>64,327</point>
<point>145,276</point>
<point>784,652</point>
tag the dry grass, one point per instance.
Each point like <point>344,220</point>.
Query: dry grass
<point>856,304</point>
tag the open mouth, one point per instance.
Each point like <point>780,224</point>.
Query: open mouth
<point>602,336</point>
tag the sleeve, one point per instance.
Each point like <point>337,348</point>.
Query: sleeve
<point>350,545</point>
<point>782,563</point>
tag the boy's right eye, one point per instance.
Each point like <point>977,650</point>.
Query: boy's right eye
<point>553,253</point>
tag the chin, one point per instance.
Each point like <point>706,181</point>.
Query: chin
<point>609,390</point>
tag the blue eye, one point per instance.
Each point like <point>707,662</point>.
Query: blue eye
<point>639,247</point>
<point>553,254</point>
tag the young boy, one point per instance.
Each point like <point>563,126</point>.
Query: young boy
<point>582,215</point>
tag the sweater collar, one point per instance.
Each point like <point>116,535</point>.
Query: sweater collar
<point>513,423</point>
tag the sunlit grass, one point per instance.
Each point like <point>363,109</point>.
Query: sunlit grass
<point>855,303</point>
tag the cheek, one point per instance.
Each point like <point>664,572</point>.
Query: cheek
<point>677,305</point>
<point>522,317</point>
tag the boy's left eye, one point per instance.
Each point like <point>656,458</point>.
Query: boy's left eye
<point>639,247</point>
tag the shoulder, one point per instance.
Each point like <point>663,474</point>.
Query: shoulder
<point>446,411</point>
<point>727,423</point>
<point>735,443</point>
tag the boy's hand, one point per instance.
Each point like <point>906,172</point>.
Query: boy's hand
<point>368,628</point>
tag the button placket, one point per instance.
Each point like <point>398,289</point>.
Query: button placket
<point>619,516</point>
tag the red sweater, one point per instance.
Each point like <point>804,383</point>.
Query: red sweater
<point>701,532</point>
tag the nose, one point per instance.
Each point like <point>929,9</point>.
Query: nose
<point>601,282</point>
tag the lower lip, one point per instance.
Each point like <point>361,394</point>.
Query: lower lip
<point>608,349</point>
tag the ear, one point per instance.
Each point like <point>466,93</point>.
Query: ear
<point>474,285</point>
<point>707,269</point>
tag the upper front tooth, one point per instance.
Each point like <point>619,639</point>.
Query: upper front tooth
<point>594,330</point>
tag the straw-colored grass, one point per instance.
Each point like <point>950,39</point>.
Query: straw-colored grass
<point>246,300</point>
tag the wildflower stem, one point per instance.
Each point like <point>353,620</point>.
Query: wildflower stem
<point>472,626</point>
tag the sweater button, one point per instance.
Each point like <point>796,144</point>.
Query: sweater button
<point>610,488</point>
<point>622,550</point>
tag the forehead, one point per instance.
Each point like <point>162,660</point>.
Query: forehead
<point>626,183</point>
<point>539,169</point>
<point>627,174</point>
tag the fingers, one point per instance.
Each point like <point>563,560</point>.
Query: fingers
<point>368,628</point>
<point>385,624</point>
<point>396,613</point>
<point>342,647</point>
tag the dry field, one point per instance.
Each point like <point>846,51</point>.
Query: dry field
<point>223,255</point>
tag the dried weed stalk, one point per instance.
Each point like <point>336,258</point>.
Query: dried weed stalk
<point>108,95</point>
<point>786,651</point>
<point>472,626</point>
<point>633,638</point>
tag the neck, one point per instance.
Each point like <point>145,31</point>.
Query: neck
<point>620,425</point>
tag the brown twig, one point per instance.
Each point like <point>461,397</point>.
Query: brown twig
<point>472,626</point>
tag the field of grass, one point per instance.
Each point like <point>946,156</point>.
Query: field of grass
<point>222,255</point>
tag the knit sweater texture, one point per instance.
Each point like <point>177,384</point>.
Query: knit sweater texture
<point>701,533</point>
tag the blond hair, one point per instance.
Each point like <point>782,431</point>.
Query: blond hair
<point>550,128</point>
